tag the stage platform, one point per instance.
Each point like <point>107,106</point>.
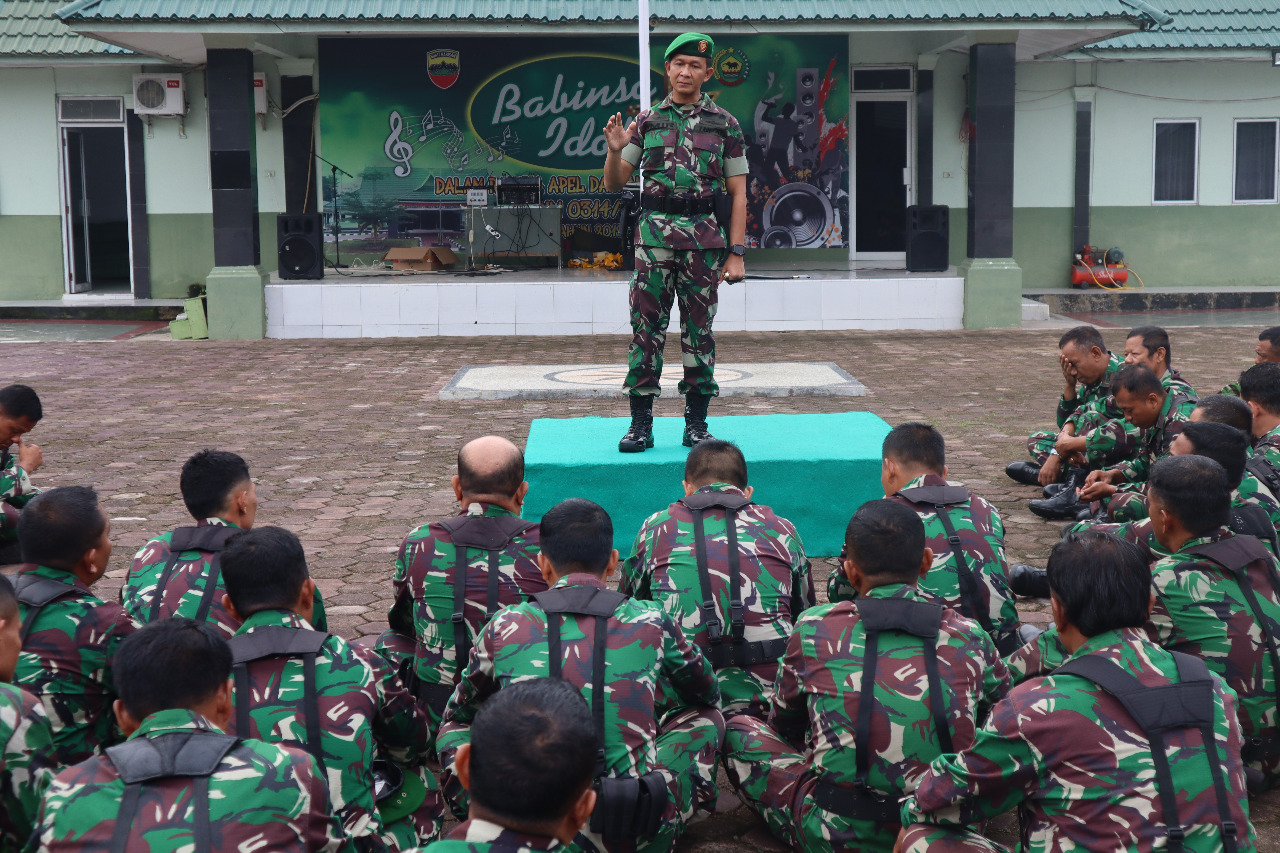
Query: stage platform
<point>378,303</point>
<point>812,469</point>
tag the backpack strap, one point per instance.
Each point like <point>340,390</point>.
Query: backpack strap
<point>941,498</point>
<point>697,504</point>
<point>35,593</point>
<point>1265,470</point>
<point>279,641</point>
<point>208,539</point>
<point>1252,520</point>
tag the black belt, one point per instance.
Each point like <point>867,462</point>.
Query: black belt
<point>857,803</point>
<point>745,654</point>
<point>678,205</point>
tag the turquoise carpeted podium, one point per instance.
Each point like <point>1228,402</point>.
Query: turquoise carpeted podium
<point>812,469</point>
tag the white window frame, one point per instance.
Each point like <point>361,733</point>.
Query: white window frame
<point>118,100</point>
<point>1275,166</point>
<point>910,69</point>
<point>1195,186</point>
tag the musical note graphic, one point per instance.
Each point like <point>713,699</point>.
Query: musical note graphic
<point>397,150</point>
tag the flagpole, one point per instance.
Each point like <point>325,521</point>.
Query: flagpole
<point>643,33</point>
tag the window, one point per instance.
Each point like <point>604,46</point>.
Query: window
<point>882,79</point>
<point>73,110</point>
<point>1255,171</point>
<point>1176,161</point>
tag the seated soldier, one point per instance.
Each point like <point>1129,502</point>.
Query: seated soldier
<point>20,411</point>
<point>971,580</point>
<point>338,701</point>
<point>528,771</point>
<point>179,572</point>
<point>1079,752</point>
<point>178,782</point>
<point>1260,388</point>
<point>736,591</point>
<point>451,576</point>
<point>69,635</point>
<point>868,693</point>
<point>26,737</point>
<point>1224,409</point>
<point>1267,350</point>
<point>652,773</point>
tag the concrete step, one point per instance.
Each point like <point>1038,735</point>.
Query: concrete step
<point>1095,301</point>
<point>85,307</point>
<point>1033,310</point>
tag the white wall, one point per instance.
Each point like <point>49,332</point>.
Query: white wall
<point>28,143</point>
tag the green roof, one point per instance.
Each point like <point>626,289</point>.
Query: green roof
<point>1206,24</point>
<point>32,28</point>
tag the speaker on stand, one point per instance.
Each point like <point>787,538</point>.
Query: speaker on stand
<point>300,245</point>
<point>928,237</point>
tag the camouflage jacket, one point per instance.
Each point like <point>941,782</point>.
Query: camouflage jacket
<point>644,646</point>
<point>1091,395</point>
<point>687,150</point>
<point>816,699</point>
<point>981,533</point>
<point>261,797</point>
<point>1269,446</point>
<point>66,664</point>
<point>775,581</point>
<point>184,589</point>
<point>1070,754</point>
<point>424,591</point>
<point>26,739</point>
<point>364,713</point>
<point>1155,441</point>
<point>1232,388</point>
<point>1111,436</point>
<point>15,491</point>
<point>481,836</point>
<point>1201,610</point>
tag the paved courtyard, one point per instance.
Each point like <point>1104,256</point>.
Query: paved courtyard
<point>351,447</point>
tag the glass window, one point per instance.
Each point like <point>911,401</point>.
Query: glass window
<point>882,80</point>
<point>1174,180</point>
<point>1255,178</point>
<point>90,109</point>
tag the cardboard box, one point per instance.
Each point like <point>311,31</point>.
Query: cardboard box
<point>421,258</point>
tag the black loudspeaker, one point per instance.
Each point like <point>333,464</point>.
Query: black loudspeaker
<point>300,245</point>
<point>928,237</point>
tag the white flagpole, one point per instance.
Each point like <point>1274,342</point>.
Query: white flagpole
<point>643,32</point>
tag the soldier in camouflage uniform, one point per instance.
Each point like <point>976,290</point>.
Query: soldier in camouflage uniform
<point>69,635</point>
<point>868,693</point>
<point>340,702</point>
<point>689,152</point>
<point>20,411</point>
<point>528,770</point>
<point>1084,764</point>
<point>451,576</point>
<point>1267,350</point>
<point>971,581</point>
<point>212,792</point>
<point>616,651</point>
<point>736,594</point>
<point>178,573</point>
<point>1260,389</point>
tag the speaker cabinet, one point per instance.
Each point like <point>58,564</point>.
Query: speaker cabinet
<point>300,245</point>
<point>928,237</point>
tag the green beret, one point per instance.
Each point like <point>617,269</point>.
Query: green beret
<point>691,44</point>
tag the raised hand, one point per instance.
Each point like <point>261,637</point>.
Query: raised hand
<point>616,133</point>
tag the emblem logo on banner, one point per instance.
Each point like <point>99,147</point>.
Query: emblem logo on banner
<point>731,66</point>
<point>443,67</point>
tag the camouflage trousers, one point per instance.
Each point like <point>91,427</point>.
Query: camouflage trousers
<point>663,276</point>
<point>1129,503</point>
<point>778,782</point>
<point>1106,445</point>
<point>930,838</point>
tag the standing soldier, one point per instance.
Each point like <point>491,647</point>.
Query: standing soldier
<point>20,411</point>
<point>692,222</point>
<point>730,573</point>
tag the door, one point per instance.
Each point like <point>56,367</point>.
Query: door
<point>96,210</point>
<point>882,178</point>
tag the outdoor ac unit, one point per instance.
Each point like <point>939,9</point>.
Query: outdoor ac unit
<point>159,95</point>
<point>259,93</point>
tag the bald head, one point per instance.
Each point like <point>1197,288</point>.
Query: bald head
<point>490,466</point>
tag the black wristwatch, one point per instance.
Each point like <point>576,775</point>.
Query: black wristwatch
<point>738,249</point>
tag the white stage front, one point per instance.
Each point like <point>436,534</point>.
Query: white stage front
<point>381,304</point>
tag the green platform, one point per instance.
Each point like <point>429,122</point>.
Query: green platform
<point>812,469</point>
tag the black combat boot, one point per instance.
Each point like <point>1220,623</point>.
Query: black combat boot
<point>639,437</point>
<point>1024,472</point>
<point>695,419</point>
<point>1053,488</point>
<point>1066,503</point>
<point>1028,581</point>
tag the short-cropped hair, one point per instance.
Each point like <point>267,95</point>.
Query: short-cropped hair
<point>916,444</point>
<point>170,664</point>
<point>533,751</point>
<point>21,401</point>
<point>1153,338</point>
<point>264,569</point>
<point>1226,445</point>
<point>1194,490</point>
<point>885,539</point>
<point>1138,380</point>
<point>1226,409</point>
<point>1102,581</point>
<point>58,527</point>
<point>1083,337</point>
<point>716,461</point>
<point>1271,335</point>
<point>1261,384</point>
<point>208,480</point>
<point>577,536</point>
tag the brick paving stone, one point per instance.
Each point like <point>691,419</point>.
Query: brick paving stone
<point>350,445</point>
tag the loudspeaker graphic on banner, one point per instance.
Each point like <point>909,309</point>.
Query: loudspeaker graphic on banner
<point>797,216</point>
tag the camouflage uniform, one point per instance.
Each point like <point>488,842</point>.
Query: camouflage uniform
<point>1268,446</point>
<point>425,599</point>
<point>1129,503</point>
<point>1090,397</point>
<point>184,586</point>
<point>783,768</point>
<point>26,739</point>
<point>66,662</point>
<point>362,712</point>
<point>481,836</point>
<point>1232,388</point>
<point>261,797</point>
<point>1083,771</point>
<point>15,491</point>
<point>774,587</point>
<point>685,151</point>
<point>977,523</point>
<point>644,646</point>
<point>1110,438</point>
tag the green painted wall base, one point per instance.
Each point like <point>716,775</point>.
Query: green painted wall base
<point>237,303</point>
<point>31,247</point>
<point>992,293</point>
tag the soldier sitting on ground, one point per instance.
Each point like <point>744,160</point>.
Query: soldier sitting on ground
<point>451,576</point>
<point>528,771</point>
<point>69,635</point>
<point>970,579</point>
<point>1079,750</point>
<point>20,411</point>
<point>340,702</point>
<point>736,589</point>
<point>653,772</point>
<point>178,782</point>
<point>1267,350</point>
<point>1260,388</point>
<point>179,572</point>
<point>868,693</point>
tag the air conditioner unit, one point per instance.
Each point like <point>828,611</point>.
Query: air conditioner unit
<point>259,93</point>
<point>159,95</point>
